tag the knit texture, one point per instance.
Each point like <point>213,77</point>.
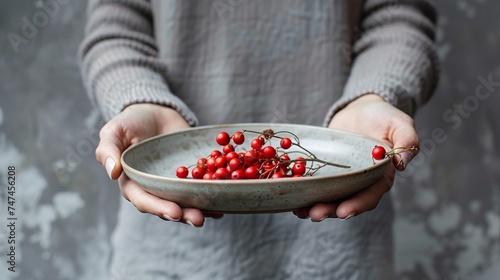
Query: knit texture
<point>261,59</point>
<point>274,61</point>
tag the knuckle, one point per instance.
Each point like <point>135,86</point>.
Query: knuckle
<point>106,129</point>
<point>404,118</point>
<point>409,120</point>
<point>98,153</point>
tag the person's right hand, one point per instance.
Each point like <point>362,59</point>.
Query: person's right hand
<point>134,124</point>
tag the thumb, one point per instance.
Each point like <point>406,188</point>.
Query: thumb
<point>406,144</point>
<point>109,150</point>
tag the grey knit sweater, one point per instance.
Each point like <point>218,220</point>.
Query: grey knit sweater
<point>227,61</point>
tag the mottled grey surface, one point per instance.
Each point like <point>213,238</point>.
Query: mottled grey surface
<point>447,204</point>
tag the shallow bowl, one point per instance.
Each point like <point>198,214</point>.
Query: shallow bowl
<point>153,163</point>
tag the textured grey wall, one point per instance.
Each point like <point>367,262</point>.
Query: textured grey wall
<point>448,204</point>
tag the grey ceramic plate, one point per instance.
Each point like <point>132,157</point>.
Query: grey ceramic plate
<point>152,164</point>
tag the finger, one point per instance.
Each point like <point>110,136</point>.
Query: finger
<point>404,135</point>
<point>109,150</point>
<point>321,211</point>
<point>193,217</point>
<point>367,199</point>
<point>148,203</point>
<point>302,213</point>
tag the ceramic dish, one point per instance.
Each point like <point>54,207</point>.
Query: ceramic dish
<point>153,162</point>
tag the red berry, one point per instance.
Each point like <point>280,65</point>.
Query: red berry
<point>251,157</point>
<point>269,152</point>
<point>378,153</point>
<point>299,158</point>
<point>257,143</point>
<point>202,162</point>
<point>198,172</point>
<point>223,138</point>
<point>221,162</point>
<point>227,149</point>
<point>231,155</point>
<point>268,166</point>
<point>277,175</point>
<point>221,174</point>
<point>238,174</point>
<point>283,169</point>
<point>208,175</point>
<point>285,143</point>
<point>215,154</point>
<point>284,160</point>
<point>211,164</point>
<point>252,172</point>
<point>298,168</point>
<point>238,138</point>
<point>182,172</point>
<point>260,155</point>
<point>234,164</point>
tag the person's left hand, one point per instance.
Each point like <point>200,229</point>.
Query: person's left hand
<point>372,116</point>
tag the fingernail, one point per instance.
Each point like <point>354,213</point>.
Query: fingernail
<point>190,223</point>
<point>405,158</point>
<point>109,165</point>
<point>348,217</point>
<point>170,218</point>
<point>321,219</point>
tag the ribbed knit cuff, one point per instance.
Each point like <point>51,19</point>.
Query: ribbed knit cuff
<point>403,73</point>
<point>122,95</point>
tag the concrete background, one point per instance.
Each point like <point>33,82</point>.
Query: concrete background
<point>447,204</point>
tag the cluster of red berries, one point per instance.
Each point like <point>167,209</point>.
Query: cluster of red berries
<point>261,161</point>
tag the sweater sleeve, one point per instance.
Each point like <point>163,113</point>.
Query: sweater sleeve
<point>118,59</point>
<point>393,55</point>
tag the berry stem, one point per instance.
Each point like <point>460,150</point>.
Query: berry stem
<point>268,134</point>
<point>313,170</point>
<point>324,162</point>
<point>392,151</point>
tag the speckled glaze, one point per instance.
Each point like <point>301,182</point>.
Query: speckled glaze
<point>152,164</point>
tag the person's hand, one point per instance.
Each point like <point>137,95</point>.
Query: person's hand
<point>134,124</point>
<point>372,116</point>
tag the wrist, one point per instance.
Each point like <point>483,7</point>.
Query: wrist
<point>365,98</point>
<point>169,119</point>
<point>166,118</point>
<point>368,98</point>
<point>143,106</point>
<point>157,109</point>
